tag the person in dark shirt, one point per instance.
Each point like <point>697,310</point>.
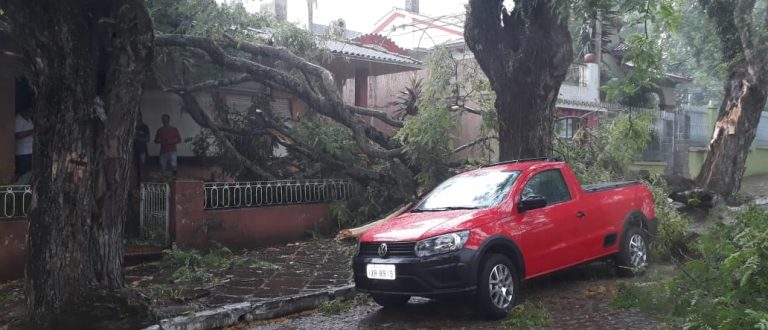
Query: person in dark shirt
<point>140,140</point>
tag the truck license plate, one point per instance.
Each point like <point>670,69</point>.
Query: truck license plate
<point>380,272</point>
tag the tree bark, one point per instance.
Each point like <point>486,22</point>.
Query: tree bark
<point>525,51</point>
<point>736,128</point>
<point>743,43</point>
<point>86,62</point>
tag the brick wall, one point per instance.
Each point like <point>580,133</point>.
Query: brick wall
<point>13,236</point>
<point>193,227</point>
<point>253,227</point>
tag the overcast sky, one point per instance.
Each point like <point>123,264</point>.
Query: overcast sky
<point>360,15</point>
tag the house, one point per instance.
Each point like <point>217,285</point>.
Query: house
<point>206,205</point>
<point>410,29</point>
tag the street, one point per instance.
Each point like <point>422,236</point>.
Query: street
<point>571,299</point>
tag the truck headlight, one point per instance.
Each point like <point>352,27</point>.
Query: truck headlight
<point>441,244</point>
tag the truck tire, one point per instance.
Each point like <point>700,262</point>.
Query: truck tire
<point>390,300</point>
<point>498,286</point>
<point>633,253</point>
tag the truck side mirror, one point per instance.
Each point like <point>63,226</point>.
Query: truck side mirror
<point>531,203</point>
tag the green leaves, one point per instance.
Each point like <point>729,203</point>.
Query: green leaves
<point>726,287</point>
<point>670,16</point>
<point>645,68</point>
<point>426,136</point>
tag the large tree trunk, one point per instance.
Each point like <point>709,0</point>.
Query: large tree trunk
<point>87,61</point>
<point>525,53</point>
<point>746,88</point>
<point>734,132</point>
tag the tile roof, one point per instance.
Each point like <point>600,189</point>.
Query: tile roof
<point>354,50</point>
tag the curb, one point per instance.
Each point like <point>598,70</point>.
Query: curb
<point>252,311</point>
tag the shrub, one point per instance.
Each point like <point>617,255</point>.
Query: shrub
<point>727,288</point>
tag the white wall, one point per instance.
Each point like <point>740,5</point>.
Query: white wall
<point>155,103</point>
<point>588,93</point>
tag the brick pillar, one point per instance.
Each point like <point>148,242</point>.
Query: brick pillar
<point>7,124</point>
<point>187,216</point>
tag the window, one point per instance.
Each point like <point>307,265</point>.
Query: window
<point>567,127</point>
<point>470,191</point>
<point>548,184</point>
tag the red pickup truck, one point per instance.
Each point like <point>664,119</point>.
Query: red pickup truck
<point>482,232</point>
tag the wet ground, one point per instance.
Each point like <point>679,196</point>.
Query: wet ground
<point>263,274</point>
<point>258,275</point>
<point>571,299</point>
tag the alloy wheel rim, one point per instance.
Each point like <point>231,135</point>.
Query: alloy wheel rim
<point>501,286</point>
<point>637,251</point>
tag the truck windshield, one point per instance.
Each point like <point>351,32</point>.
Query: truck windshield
<point>473,191</point>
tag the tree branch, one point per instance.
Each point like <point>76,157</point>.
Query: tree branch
<point>375,114</point>
<point>202,119</point>
<point>475,142</point>
<point>209,84</point>
<point>457,107</point>
<point>327,105</point>
<point>328,85</point>
<point>282,137</point>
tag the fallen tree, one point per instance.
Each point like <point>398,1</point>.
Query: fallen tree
<point>333,139</point>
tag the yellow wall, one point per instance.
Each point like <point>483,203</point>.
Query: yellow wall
<point>653,167</point>
<point>757,162</point>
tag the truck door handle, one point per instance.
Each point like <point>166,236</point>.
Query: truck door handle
<point>580,214</point>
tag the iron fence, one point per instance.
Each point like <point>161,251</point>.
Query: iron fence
<point>762,131</point>
<point>16,200</point>
<point>153,218</point>
<point>222,195</point>
<point>576,75</point>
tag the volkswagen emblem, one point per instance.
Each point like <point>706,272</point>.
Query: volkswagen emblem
<point>383,249</point>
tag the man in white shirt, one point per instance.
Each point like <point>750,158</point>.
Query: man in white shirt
<point>24,132</point>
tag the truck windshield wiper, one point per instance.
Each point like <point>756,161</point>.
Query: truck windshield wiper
<point>449,208</point>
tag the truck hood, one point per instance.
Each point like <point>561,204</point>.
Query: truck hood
<point>410,227</point>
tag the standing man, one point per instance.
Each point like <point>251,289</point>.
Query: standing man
<point>168,137</point>
<point>24,128</point>
<point>140,148</point>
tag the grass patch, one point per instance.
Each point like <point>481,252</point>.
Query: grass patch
<point>10,293</point>
<point>165,291</point>
<point>339,305</point>
<point>527,315</point>
<point>9,298</point>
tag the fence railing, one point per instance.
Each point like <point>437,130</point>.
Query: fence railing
<point>222,195</point>
<point>762,131</point>
<point>153,218</point>
<point>16,201</point>
<point>576,75</point>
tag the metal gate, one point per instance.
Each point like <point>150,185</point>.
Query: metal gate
<point>153,218</point>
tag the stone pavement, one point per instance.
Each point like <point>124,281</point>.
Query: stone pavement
<point>576,298</point>
<point>275,280</point>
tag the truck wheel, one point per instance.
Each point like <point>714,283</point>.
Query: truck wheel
<point>633,255</point>
<point>390,300</point>
<point>497,287</point>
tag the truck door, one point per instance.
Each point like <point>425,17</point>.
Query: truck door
<point>550,234</point>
